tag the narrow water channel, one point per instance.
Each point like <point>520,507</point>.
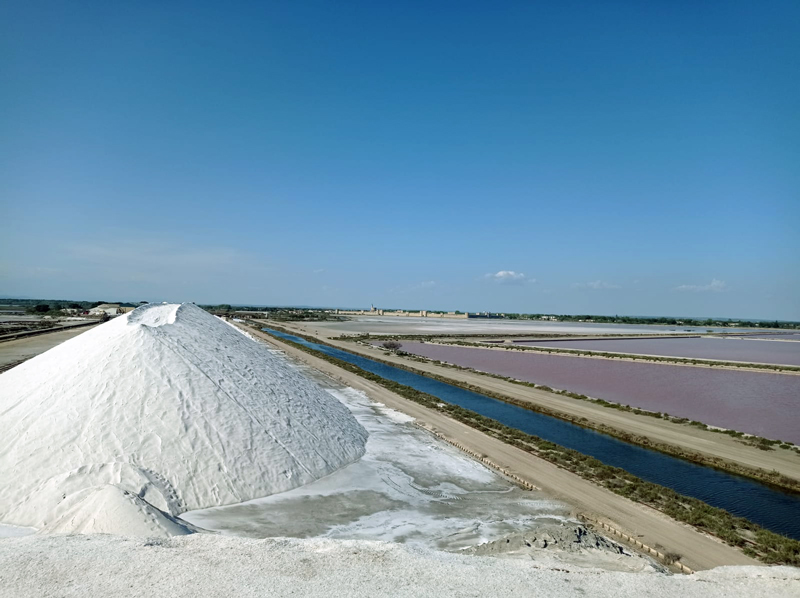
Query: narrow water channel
<point>771,508</point>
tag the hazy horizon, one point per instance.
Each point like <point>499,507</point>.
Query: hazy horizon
<point>389,308</point>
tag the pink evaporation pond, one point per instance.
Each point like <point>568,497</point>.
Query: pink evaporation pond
<point>747,349</point>
<point>765,404</point>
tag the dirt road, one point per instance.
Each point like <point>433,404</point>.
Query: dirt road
<point>689,438</point>
<point>653,528</point>
<point>21,349</point>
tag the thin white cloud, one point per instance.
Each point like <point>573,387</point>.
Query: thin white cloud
<point>715,286</point>
<point>597,285</point>
<point>318,271</point>
<point>509,277</point>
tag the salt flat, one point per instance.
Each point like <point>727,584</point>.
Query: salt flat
<point>204,565</point>
<point>430,325</point>
<point>410,487</point>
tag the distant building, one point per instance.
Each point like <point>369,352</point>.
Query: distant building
<point>110,309</point>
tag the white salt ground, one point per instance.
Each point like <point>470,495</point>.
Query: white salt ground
<point>14,531</point>
<point>204,565</point>
<point>157,412</point>
<point>408,487</point>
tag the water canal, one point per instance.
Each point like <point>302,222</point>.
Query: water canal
<point>773,509</point>
<point>757,402</point>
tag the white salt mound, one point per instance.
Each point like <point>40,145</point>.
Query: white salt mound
<point>164,410</point>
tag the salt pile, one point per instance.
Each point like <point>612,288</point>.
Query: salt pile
<point>164,410</point>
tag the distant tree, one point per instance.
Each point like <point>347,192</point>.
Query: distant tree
<point>75,306</point>
<point>41,308</point>
<point>392,345</point>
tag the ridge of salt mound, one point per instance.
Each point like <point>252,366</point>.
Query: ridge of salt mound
<point>161,411</point>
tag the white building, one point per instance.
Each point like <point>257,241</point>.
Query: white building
<point>111,309</point>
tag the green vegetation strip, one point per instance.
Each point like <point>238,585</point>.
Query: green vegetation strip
<point>660,321</point>
<point>520,335</point>
<point>759,442</point>
<point>773,477</point>
<point>754,540</point>
<point>765,444</point>
<point>453,340</point>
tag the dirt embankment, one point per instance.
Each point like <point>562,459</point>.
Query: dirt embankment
<point>14,352</point>
<point>698,551</point>
<point>683,437</point>
<point>691,362</point>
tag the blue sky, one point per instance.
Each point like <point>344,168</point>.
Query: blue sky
<point>591,157</point>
